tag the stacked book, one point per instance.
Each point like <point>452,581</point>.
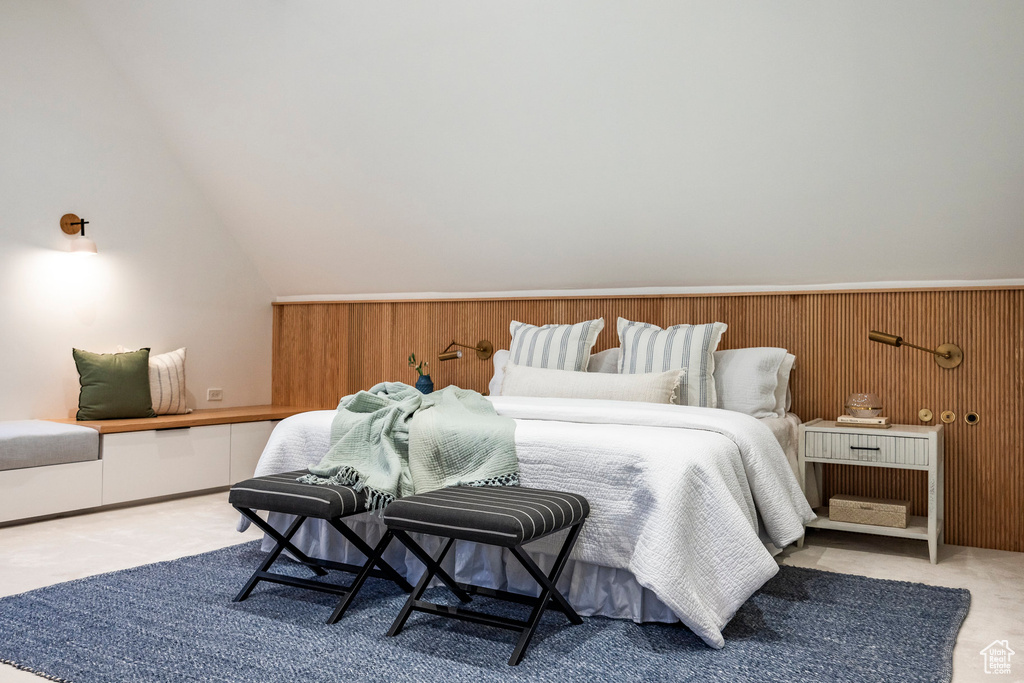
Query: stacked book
<point>870,422</point>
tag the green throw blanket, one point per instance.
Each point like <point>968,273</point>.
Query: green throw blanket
<point>393,441</point>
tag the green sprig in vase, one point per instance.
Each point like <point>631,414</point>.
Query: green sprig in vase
<point>423,382</point>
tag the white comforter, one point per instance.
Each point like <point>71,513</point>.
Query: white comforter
<point>674,491</point>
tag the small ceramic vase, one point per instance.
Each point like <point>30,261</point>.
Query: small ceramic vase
<point>425,384</point>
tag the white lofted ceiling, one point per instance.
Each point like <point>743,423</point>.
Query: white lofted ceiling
<point>492,146</point>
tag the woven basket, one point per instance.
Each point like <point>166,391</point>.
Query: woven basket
<point>877,511</point>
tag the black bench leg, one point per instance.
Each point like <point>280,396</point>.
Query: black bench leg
<point>376,557</point>
<point>284,542</point>
<point>548,592</point>
<point>373,556</point>
<point>270,559</point>
<point>433,567</point>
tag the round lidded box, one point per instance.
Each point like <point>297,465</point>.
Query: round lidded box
<point>864,405</point>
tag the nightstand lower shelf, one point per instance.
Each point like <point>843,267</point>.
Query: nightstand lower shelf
<point>917,527</point>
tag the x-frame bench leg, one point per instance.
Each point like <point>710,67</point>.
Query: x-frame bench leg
<point>373,558</point>
<point>549,592</point>
<point>362,546</point>
<point>283,541</point>
<point>433,565</point>
<point>433,568</point>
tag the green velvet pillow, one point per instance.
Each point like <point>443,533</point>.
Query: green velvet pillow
<point>114,385</point>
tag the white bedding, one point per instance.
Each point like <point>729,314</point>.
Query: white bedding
<point>676,496</point>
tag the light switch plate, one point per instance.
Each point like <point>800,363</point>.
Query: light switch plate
<point>214,394</point>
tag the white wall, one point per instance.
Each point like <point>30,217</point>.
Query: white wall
<point>74,138</point>
<point>459,145</point>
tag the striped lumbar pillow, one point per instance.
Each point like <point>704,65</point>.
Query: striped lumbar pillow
<point>167,382</point>
<point>556,347</point>
<point>649,348</point>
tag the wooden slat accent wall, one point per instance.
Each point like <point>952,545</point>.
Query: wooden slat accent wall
<point>323,351</point>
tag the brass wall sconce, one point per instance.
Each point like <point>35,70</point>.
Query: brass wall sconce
<point>484,349</point>
<point>71,224</point>
<point>946,355</point>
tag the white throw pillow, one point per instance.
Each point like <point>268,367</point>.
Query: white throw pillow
<point>654,387</point>
<point>604,361</point>
<point>167,382</point>
<point>783,396</point>
<point>500,359</point>
<point>746,380</point>
<point>556,347</point>
<point>649,348</point>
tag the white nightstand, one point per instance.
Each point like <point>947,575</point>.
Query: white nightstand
<point>904,447</point>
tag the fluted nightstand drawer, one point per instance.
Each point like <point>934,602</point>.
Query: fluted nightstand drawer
<point>857,447</point>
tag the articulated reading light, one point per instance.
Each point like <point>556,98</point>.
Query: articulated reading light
<point>484,349</point>
<point>946,355</point>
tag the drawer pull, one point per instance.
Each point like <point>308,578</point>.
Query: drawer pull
<point>865,448</point>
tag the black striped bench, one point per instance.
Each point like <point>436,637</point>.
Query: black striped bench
<point>507,516</point>
<point>282,493</point>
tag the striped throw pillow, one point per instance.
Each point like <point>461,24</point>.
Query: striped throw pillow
<point>557,347</point>
<point>167,383</point>
<point>649,348</point>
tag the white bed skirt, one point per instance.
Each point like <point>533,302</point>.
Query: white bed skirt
<point>591,589</point>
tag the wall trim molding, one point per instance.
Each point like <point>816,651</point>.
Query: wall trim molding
<point>632,292</point>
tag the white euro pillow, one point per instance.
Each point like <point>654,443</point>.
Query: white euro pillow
<point>746,380</point>
<point>605,361</point>
<point>500,359</point>
<point>653,387</point>
<point>783,396</point>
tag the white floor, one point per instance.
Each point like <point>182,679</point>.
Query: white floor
<point>44,553</point>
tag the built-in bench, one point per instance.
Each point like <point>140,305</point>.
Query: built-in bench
<point>136,459</point>
<point>47,468</point>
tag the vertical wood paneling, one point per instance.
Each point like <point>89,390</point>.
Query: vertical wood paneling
<point>323,351</point>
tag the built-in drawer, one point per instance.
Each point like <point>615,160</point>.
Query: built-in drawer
<point>868,448</point>
<point>138,465</point>
<point>248,439</point>
<point>48,490</point>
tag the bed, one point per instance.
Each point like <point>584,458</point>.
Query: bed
<point>688,505</point>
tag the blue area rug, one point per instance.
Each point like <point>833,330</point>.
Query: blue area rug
<point>174,621</point>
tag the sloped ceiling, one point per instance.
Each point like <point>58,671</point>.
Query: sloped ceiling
<point>486,146</point>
